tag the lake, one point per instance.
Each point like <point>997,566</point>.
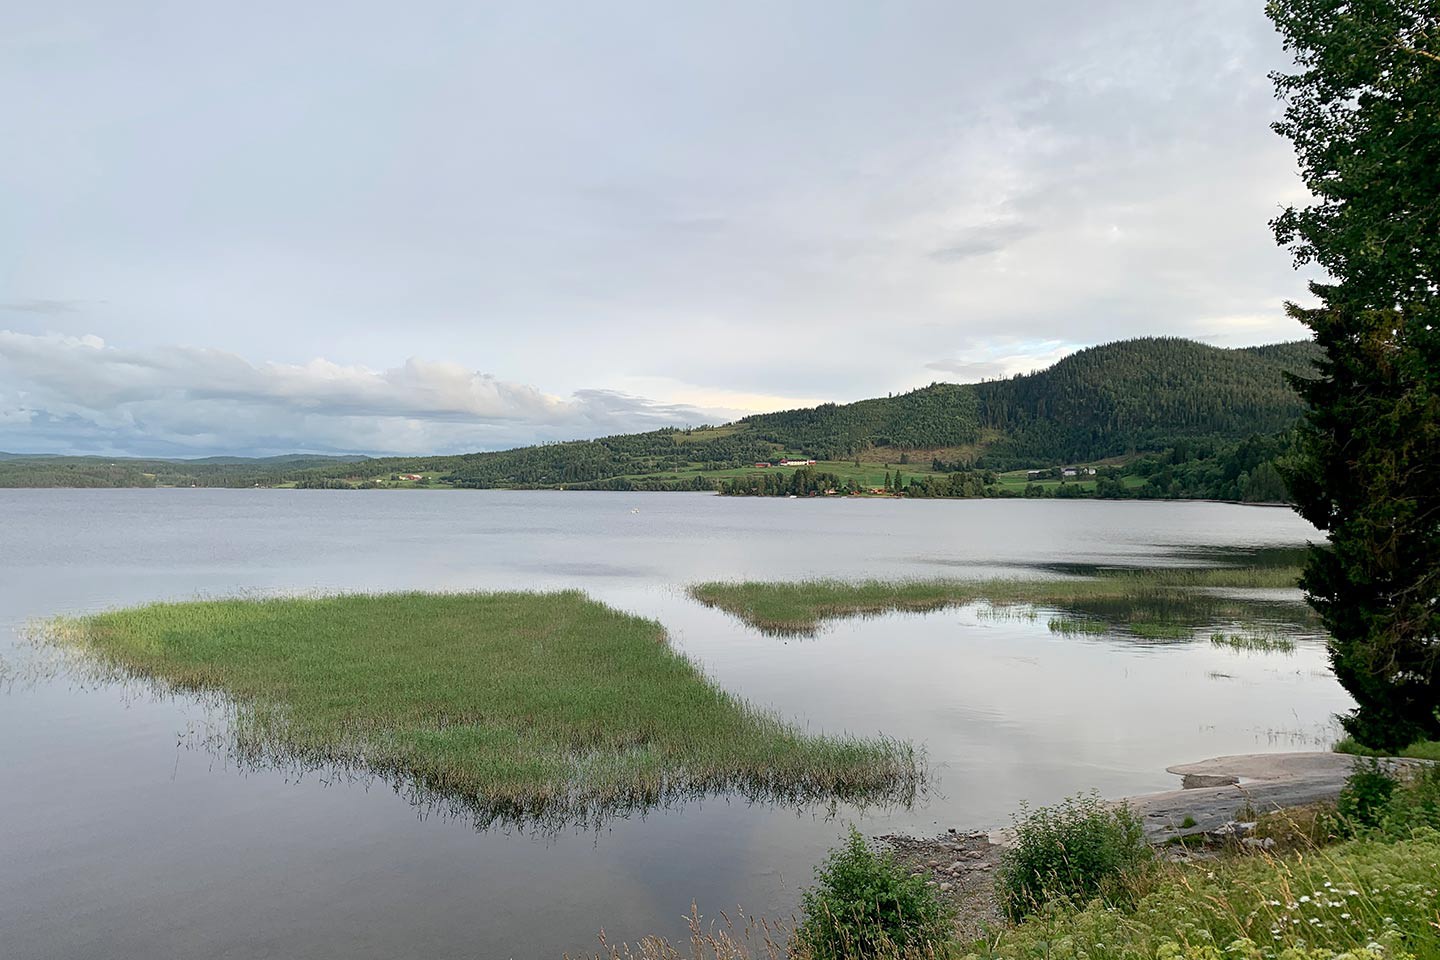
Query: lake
<point>124,835</point>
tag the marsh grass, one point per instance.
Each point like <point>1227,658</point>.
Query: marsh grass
<point>1254,642</point>
<point>1076,626</point>
<point>1161,604</point>
<point>525,706</point>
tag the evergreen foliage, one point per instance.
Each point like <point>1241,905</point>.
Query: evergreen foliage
<point>1362,109</point>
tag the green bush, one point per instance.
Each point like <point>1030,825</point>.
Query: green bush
<point>1361,804</point>
<point>865,905</point>
<point>1076,850</point>
<point>1414,805</point>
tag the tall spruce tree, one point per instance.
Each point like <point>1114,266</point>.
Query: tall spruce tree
<point>1362,109</point>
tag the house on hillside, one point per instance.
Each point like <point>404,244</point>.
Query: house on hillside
<point>762,464</point>
<point>411,476</point>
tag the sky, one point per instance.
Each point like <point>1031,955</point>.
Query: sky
<point>379,228</point>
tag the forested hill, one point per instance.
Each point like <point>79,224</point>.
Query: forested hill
<point>1115,400</point>
<point>1105,401</point>
<point>1143,395</point>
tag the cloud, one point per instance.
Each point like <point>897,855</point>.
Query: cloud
<point>80,394</point>
<point>979,241</point>
<point>1002,358</point>
<point>42,306</point>
<point>826,199</point>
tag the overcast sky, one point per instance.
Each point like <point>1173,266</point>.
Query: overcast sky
<point>362,227</point>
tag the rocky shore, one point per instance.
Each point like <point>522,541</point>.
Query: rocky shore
<point>1217,802</point>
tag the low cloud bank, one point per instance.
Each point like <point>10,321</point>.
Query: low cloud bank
<point>64,394</point>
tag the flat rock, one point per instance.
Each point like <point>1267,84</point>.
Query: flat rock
<point>1216,790</point>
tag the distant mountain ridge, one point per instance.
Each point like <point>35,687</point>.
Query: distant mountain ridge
<point>1107,401</point>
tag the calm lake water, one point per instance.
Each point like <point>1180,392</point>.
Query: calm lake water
<point>122,835</point>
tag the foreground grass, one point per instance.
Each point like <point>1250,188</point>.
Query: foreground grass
<point>1363,899</point>
<point>1155,604</point>
<point>516,704</point>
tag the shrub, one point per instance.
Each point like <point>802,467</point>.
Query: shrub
<point>1414,805</point>
<point>1361,804</point>
<point>865,905</point>
<point>1076,850</point>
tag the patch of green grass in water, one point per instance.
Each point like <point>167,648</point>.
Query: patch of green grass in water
<point>1151,604</point>
<point>1253,642</point>
<point>518,706</point>
<point>1073,626</point>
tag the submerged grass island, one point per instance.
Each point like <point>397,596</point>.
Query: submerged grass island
<point>523,706</point>
<point>1152,604</point>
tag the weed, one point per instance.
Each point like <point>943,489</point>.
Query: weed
<point>864,905</point>
<point>1079,849</point>
<point>1361,804</point>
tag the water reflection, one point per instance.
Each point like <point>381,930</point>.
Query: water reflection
<point>118,844</point>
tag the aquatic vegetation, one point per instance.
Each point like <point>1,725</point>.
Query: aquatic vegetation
<point>1160,604</point>
<point>514,705</point>
<point>1073,626</point>
<point>1253,642</point>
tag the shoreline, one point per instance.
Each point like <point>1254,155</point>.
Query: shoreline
<point>1212,796</point>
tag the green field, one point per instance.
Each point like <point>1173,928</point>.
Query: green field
<point>867,474</point>
<point>515,705</point>
<point>1154,604</point>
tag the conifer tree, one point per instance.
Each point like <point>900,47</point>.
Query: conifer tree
<point>1362,109</point>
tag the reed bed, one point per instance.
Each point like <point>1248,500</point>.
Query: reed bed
<point>1253,642</point>
<point>516,705</point>
<point>1150,604</point>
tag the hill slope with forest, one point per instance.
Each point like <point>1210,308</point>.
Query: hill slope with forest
<point>1118,400</point>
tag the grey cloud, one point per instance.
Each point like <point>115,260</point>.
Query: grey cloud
<point>977,242</point>
<point>813,199</point>
<point>209,400</point>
